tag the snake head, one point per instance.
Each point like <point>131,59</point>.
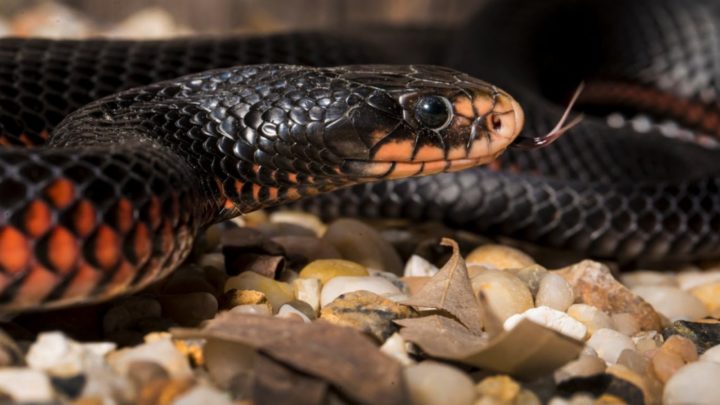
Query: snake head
<point>416,120</point>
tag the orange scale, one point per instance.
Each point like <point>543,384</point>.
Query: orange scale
<point>105,247</point>
<point>83,282</point>
<point>15,250</point>
<point>37,218</point>
<point>37,285</point>
<point>63,251</point>
<point>84,218</point>
<point>60,193</point>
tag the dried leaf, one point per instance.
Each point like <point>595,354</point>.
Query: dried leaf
<point>341,356</point>
<point>276,384</point>
<point>529,350</point>
<point>450,290</point>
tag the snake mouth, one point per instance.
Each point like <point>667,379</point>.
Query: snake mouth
<point>368,171</point>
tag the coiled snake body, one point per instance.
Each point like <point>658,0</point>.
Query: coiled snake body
<point>114,199</point>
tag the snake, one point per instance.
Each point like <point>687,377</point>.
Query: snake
<point>115,154</point>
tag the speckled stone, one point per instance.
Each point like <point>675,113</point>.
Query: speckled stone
<point>343,285</point>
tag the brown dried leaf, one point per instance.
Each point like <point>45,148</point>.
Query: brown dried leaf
<point>276,384</point>
<point>450,290</point>
<point>341,356</point>
<point>529,350</point>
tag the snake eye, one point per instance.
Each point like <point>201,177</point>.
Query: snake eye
<point>433,112</point>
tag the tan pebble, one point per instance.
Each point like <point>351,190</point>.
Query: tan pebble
<point>258,309</point>
<point>214,260</point>
<point>203,394</point>
<point>505,293</point>
<point>693,278</point>
<point>289,311</point>
<point>163,392</point>
<point>360,243</point>
<point>324,270</point>
<point>709,295</point>
<point>681,346</point>
<point>234,297</point>
<point>672,302</point>
<point>300,218</point>
<point>527,397</point>
<point>625,323</point>
<point>591,317</point>
<point>665,364</point>
<point>432,383</point>
<point>342,285</point>
<point>162,352</point>
<point>417,266</point>
<point>531,275</point>
<point>395,346</point>
<point>308,291</point>
<point>499,256</point>
<point>554,292</point>
<point>366,312</point>
<point>634,360</point>
<point>276,292</point>
<point>141,372</point>
<point>648,340</point>
<point>584,366</point>
<point>25,385</point>
<point>251,219</point>
<point>500,388</point>
<point>648,278</point>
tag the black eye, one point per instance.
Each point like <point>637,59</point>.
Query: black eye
<point>433,111</point>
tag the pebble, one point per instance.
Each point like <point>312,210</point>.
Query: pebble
<point>142,372</point>
<point>396,347</point>
<point>417,266</point>
<point>672,302</point>
<point>648,278</point>
<point>256,309</point>
<point>709,295</point>
<point>59,356</point>
<point>591,317</point>
<point>704,334</point>
<point>25,385</point>
<point>636,379</point>
<point>308,291</point>
<point>531,275</point>
<point>646,341</point>
<point>162,352</point>
<point>129,311</point>
<point>609,343</point>
<point>625,323</point>
<point>551,318</point>
<point>324,270</point>
<point>506,294</point>
<point>187,279</point>
<point>391,277</point>
<point>214,260</point>
<point>307,248</point>
<point>234,297</point>
<point>681,346</point>
<point>189,309</point>
<point>585,365</point>
<point>498,389</point>
<point>695,383</point>
<point>366,312</point>
<point>341,285</point>
<point>665,364</point>
<point>276,292</point>
<point>499,256</point>
<point>362,244</point>
<point>634,361</point>
<point>300,218</point>
<point>554,292</point>
<point>711,354</point>
<point>432,383</point>
<point>688,280</point>
<point>288,311</point>
<point>203,394</point>
<point>70,387</point>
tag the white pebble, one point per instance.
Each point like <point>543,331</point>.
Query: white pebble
<point>695,278</point>
<point>554,292</point>
<point>625,323</point>
<point>417,266</point>
<point>253,309</point>
<point>590,316</point>
<point>711,354</point>
<point>609,343</point>
<point>396,347</point>
<point>59,356</point>
<point>506,294</point>
<point>695,383</point>
<point>308,290</point>
<point>672,302</point>
<point>583,366</point>
<point>338,286</point>
<point>431,383</point>
<point>25,385</point>
<point>647,278</point>
<point>203,394</point>
<point>288,311</point>
<point>162,352</point>
<point>551,318</point>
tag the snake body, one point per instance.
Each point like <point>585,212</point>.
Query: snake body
<point>113,158</point>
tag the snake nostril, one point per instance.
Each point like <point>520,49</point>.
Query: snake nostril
<point>496,123</point>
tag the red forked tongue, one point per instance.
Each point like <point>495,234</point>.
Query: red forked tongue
<point>523,142</point>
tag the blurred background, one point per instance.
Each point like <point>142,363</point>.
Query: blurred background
<point>166,18</point>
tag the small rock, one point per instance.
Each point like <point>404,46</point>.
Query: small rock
<point>189,309</point>
<point>234,297</point>
<point>288,311</point>
<point>704,334</point>
<point>709,295</point>
<point>276,292</point>
<point>203,394</point>
<point>625,324</point>
<point>665,364</point>
<point>593,284</point>
<point>272,230</point>
<point>342,285</point>
<point>300,218</point>
<point>258,309</point>
<point>498,389</point>
<point>362,244</point>
<point>609,344</point>
<point>681,346</point>
<point>25,385</point>
<point>416,266</point>
<point>395,280</point>
<point>396,347</point>
<point>70,387</point>
<point>499,257</point>
<point>695,383</point>
<point>554,292</point>
<point>648,340</point>
<point>214,260</point>
<point>551,318</point>
<point>591,317</point>
<point>324,270</point>
<point>689,280</point>
<point>531,275</point>
<point>59,356</point>
<point>366,312</point>
<point>634,361</point>
<point>711,354</point>
<point>505,293</point>
<point>672,302</point>
<point>648,278</point>
<point>584,366</point>
<point>161,351</point>
<point>308,291</point>
<point>142,372</point>
<point>431,383</point>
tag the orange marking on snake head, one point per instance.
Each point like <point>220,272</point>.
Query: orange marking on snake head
<point>85,280</point>
<point>37,218</point>
<point>377,169</point>
<point>141,243</point>
<point>14,250</point>
<point>36,286</point>
<point>62,250</point>
<point>292,177</point>
<point>426,153</point>
<point>394,151</point>
<point>106,247</point>
<point>124,215</point>
<point>405,170</point>
<point>463,106</point>
<point>61,192</point>
<point>482,104</point>
<point>84,218</point>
